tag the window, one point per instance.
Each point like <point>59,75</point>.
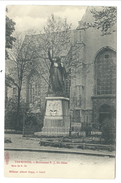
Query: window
<point>78,95</point>
<point>77,117</point>
<point>34,89</point>
<point>105,69</point>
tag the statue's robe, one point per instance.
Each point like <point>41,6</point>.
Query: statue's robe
<point>57,79</point>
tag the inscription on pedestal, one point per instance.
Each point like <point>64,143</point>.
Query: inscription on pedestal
<point>54,108</point>
<point>56,120</point>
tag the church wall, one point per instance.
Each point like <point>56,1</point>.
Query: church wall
<point>85,74</point>
<point>94,42</point>
<point>77,80</point>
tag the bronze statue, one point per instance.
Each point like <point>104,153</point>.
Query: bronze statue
<point>57,77</point>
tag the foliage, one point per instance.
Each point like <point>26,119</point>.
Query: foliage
<point>10,27</point>
<point>54,39</point>
<point>33,121</point>
<point>26,118</point>
<point>9,81</point>
<point>11,115</point>
<point>104,19</point>
<point>26,52</point>
<point>11,105</point>
<point>18,56</point>
<point>57,35</point>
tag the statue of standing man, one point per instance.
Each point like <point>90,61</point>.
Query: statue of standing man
<point>57,78</point>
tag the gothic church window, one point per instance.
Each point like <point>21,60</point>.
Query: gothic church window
<point>34,91</point>
<point>105,70</point>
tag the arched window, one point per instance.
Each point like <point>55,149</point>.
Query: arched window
<point>105,72</point>
<point>34,89</point>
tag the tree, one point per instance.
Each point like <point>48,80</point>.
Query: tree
<point>53,40</point>
<point>52,43</point>
<point>57,40</point>
<point>20,59</point>
<point>10,27</point>
<point>32,52</point>
<point>57,34</point>
<point>104,19</point>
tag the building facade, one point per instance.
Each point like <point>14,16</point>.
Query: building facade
<point>93,87</point>
<point>92,80</point>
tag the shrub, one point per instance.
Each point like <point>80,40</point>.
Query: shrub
<point>11,116</point>
<point>33,121</point>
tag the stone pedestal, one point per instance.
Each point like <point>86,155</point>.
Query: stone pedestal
<point>57,118</point>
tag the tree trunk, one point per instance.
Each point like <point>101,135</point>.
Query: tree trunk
<point>18,109</point>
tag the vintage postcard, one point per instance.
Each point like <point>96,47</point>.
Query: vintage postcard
<point>60,91</point>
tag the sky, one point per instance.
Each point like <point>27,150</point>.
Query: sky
<point>28,17</point>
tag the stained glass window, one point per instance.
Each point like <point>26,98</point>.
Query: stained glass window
<point>34,89</point>
<point>105,69</point>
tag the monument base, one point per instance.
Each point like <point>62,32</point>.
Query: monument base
<point>57,118</point>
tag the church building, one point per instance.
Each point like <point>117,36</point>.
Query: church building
<point>91,84</point>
